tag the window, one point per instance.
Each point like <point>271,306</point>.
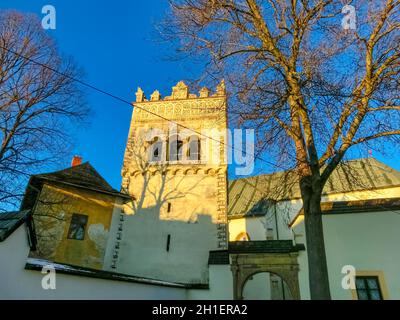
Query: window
<point>169,207</point>
<point>194,148</point>
<point>168,242</point>
<point>175,149</point>
<point>77,227</point>
<point>368,288</point>
<point>155,150</point>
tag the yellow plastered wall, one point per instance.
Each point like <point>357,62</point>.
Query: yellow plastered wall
<point>52,216</point>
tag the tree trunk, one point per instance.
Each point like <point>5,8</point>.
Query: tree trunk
<point>317,265</point>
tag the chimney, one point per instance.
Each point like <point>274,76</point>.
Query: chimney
<point>76,161</point>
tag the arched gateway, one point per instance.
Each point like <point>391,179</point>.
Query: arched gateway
<point>252,257</point>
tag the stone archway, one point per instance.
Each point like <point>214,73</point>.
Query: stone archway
<point>284,265</point>
<point>266,286</point>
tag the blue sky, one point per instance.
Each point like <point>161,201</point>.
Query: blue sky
<point>114,42</point>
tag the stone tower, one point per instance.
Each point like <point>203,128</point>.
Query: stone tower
<point>175,168</point>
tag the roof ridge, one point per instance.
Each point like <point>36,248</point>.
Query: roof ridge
<point>383,164</point>
<point>63,170</point>
<point>83,175</point>
<point>290,170</point>
<point>98,174</point>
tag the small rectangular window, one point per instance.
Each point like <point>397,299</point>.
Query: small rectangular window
<point>169,207</point>
<point>368,288</point>
<point>193,152</point>
<point>175,149</point>
<point>77,227</point>
<point>168,242</point>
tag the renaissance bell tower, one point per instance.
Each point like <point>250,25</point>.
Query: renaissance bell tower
<point>175,168</point>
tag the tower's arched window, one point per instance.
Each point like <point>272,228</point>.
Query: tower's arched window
<point>175,148</point>
<point>155,150</point>
<point>194,148</point>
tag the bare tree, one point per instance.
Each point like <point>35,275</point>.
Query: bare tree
<point>312,85</point>
<point>52,212</point>
<point>37,98</point>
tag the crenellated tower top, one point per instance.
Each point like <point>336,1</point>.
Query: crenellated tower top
<point>181,91</point>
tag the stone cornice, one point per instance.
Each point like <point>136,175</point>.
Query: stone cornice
<point>178,170</point>
<point>150,102</point>
<point>199,107</point>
